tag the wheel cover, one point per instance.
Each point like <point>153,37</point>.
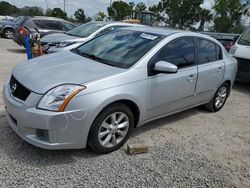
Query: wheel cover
<point>9,34</point>
<point>220,97</point>
<point>113,129</point>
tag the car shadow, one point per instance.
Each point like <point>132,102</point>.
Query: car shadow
<point>17,149</point>
<point>20,51</point>
<point>243,87</point>
<point>167,120</point>
<point>24,152</point>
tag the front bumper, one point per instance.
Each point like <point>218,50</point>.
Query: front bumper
<point>45,129</point>
<point>243,73</point>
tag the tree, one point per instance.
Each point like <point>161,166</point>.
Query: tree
<point>229,15</point>
<point>48,12</point>
<point>80,15</point>
<point>119,10</point>
<point>101,16</point>
<point>205,16</point>
<point>180,13</point>
<point>7,9</point>
<point>31,11</point>
<point>140,7</point>
<point>157,12</point>
<point>57,12</point>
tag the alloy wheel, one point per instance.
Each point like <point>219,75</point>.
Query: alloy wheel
<point>113,129</point>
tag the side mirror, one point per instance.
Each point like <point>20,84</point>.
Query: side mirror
<point>165,67</point>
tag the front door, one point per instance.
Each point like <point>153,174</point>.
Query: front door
<point>171,92</point>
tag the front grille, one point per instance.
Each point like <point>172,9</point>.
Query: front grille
<point>243,65</point>
<point>18,90</point>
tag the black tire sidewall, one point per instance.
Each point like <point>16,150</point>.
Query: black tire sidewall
<point>93,140</point>
<point>4,33</point>
<point>215,109</point>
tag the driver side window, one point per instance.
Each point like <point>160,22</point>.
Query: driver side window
<point>180,52</point>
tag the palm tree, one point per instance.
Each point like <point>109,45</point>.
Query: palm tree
<point>205,16</point>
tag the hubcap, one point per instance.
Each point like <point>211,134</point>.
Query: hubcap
<point>221,97</point>
<point>113,129</point>
<point>9,34</point>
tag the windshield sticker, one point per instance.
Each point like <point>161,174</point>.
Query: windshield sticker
<point>147,36</point>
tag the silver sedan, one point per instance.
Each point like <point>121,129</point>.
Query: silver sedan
<point>96,94</point>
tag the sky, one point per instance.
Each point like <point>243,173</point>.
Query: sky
<point>91,7</point>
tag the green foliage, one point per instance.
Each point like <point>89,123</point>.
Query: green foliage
<point>57,12</point>
<point>157,12</point>
<point>140,7</point>
<point>80,15</point>
<point>181,13</point>
<point>101,16</point>
<point>205,16</point>
<point>48,12</point>
<point>7,9</point>
<point>31,11</point>
<point>119,10</point>
<point>229,15</point>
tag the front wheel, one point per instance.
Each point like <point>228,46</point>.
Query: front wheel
<point>111,128</point>
<point>219,98</point>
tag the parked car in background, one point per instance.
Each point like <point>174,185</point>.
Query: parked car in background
<point>7,27</point>
<point>226,39</point>
<point>241,51</point>
<point>66,41</point>
<point>96,94</point>
<point>6,18</point>
<point>45,25</point>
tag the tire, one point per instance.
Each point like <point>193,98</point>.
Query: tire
<point>105,135</point>
<point>8,33</point>
<point>219,99</point>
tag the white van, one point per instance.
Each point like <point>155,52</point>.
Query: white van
<point>241,51</point>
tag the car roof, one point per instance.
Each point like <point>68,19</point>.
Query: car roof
<point>156,30</point>
<point>116,23</point>
<point>47,18</point>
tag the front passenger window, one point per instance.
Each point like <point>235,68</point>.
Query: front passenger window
<point>180,52</point>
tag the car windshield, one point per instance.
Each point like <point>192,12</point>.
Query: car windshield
<point>245,38</point>
<point>85,30</point>
<point>120,48</point>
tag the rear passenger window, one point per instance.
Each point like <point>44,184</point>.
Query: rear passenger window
<point>208,51</point>
<point>179,52</point>
<point>48,24</point>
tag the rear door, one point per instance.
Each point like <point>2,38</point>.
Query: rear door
<point>211,68</point>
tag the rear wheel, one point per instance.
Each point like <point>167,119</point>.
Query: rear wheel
<point>219,98</point>
<point>111,128</point>
<point>8,33</point>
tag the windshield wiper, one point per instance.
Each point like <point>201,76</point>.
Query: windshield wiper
<point>94,57</point>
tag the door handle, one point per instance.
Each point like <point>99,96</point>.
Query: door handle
<point>191,78</point>
<point>219,70</point>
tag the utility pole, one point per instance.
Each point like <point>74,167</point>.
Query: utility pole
<point>110,3</point>
<point>64,6</point>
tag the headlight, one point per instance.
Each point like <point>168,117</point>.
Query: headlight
<point>64,44</point>
<point>57,98</point>
<point>1,25</point>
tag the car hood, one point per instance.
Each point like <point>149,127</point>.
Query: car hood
<point>45,72</point>
<point>58,37</point>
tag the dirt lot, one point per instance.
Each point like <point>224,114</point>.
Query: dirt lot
<point>192,149</point>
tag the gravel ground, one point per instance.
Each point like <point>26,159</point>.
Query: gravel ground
<point>194,148</point>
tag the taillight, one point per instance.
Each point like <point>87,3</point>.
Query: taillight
<point>22,31</point>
